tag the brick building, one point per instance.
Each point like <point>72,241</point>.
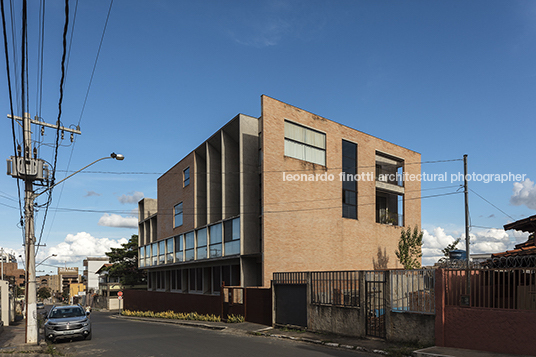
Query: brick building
<point>11,269</point>
<point>289,191</point>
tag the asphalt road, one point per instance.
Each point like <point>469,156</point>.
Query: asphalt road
<point>118,337</point>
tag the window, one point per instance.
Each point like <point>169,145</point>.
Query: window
<point>189,253</point>
<point>178,215</point>
<point>169,251</point>
<point>349,182</point>
<point>142,257</point>
<point>176,280</point>
<point>186,176</point>
<point>216,279</point>
<point>232,236</point>
<point>179,249</point>
<point>161,252</point>
<point>305,144</point>
<point>230,275</point>
<point>154,248</point>
<point>196,280</point>
<point>202,244</point>
<point>148,255</point>
<point>215,240</point>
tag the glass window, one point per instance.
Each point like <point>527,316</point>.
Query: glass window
<point>305,144</point>
<point>191,279</point>
<point>186,176</point>
<point>230,275</point>
<point>349,182</point>
<point>178,215</point>
<point>216,279</point>
<point>161,252</point>
<point>215,240</point>
<point>169,250</point>
<point>232,237</point>
<point>179,248</point>
<point>154,248</point>
<point>202,244</point>
<point>176,280</point>
<point>189,253</point>
<point>141,254</point>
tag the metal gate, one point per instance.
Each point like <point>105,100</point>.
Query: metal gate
<point>375,295</point>
<point>291,304</point>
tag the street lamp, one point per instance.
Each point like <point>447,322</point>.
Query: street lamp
<point>31,291</point>
<point>42,261</point>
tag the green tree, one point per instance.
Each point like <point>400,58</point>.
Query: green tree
<point>44,293</point>
<point>409,251</point>
<point>449,248</point>
<point>125,263</point>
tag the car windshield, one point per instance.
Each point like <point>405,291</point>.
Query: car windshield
<point>69,312</point>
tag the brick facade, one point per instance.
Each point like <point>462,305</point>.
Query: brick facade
<point>285,225</point>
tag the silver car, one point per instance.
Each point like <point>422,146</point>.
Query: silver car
<point>67,322</point>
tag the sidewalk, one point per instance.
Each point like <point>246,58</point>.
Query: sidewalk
<point>13,342</point>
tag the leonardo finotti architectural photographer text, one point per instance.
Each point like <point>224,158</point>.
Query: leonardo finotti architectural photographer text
<point>399,177</point>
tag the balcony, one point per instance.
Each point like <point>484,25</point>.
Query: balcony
<point>389,208</point>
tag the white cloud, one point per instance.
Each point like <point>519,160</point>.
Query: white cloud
<point>132,197</point>
<point>524,193</point>
<point>433,243</point>
<point>77,247</point>
<point>483,241</point>
<point>115,220</point>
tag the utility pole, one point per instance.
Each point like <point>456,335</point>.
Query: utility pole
<point>28,168</point>
<point>466,194</point>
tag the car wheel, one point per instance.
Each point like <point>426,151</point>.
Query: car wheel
<point>88,337</point>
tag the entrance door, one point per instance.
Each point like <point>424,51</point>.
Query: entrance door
<point>375,299</point>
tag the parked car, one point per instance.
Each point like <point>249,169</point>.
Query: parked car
<point>40,305</point>
<point>67,322</point>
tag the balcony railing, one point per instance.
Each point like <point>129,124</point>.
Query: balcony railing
<point>391,218</point>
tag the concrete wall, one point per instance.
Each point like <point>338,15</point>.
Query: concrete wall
<point>410,327</point>
<point>338,320</point>
<point>351,321</point>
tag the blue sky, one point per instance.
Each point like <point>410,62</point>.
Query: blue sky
<point>444,78</point>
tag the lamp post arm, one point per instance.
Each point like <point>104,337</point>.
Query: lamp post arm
<point>35,195</point>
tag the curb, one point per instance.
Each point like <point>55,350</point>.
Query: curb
<point>320,342</point>
<point>170,321</point>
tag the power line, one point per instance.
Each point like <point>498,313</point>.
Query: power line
<point>62,83</point>
<point>87,93</point>
<point>506,214</point>
<point>95,64</point>
<point>6,50</point>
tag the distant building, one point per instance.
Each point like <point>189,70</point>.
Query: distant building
<point>288,191</point>
<point>92,265</point>
<point>11,269</point>
<point>68,276</point>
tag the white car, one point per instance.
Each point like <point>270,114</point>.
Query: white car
<point>40,305</point>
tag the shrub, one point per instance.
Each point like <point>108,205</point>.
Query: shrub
<point>235,318</point>
<point>172,315</point>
